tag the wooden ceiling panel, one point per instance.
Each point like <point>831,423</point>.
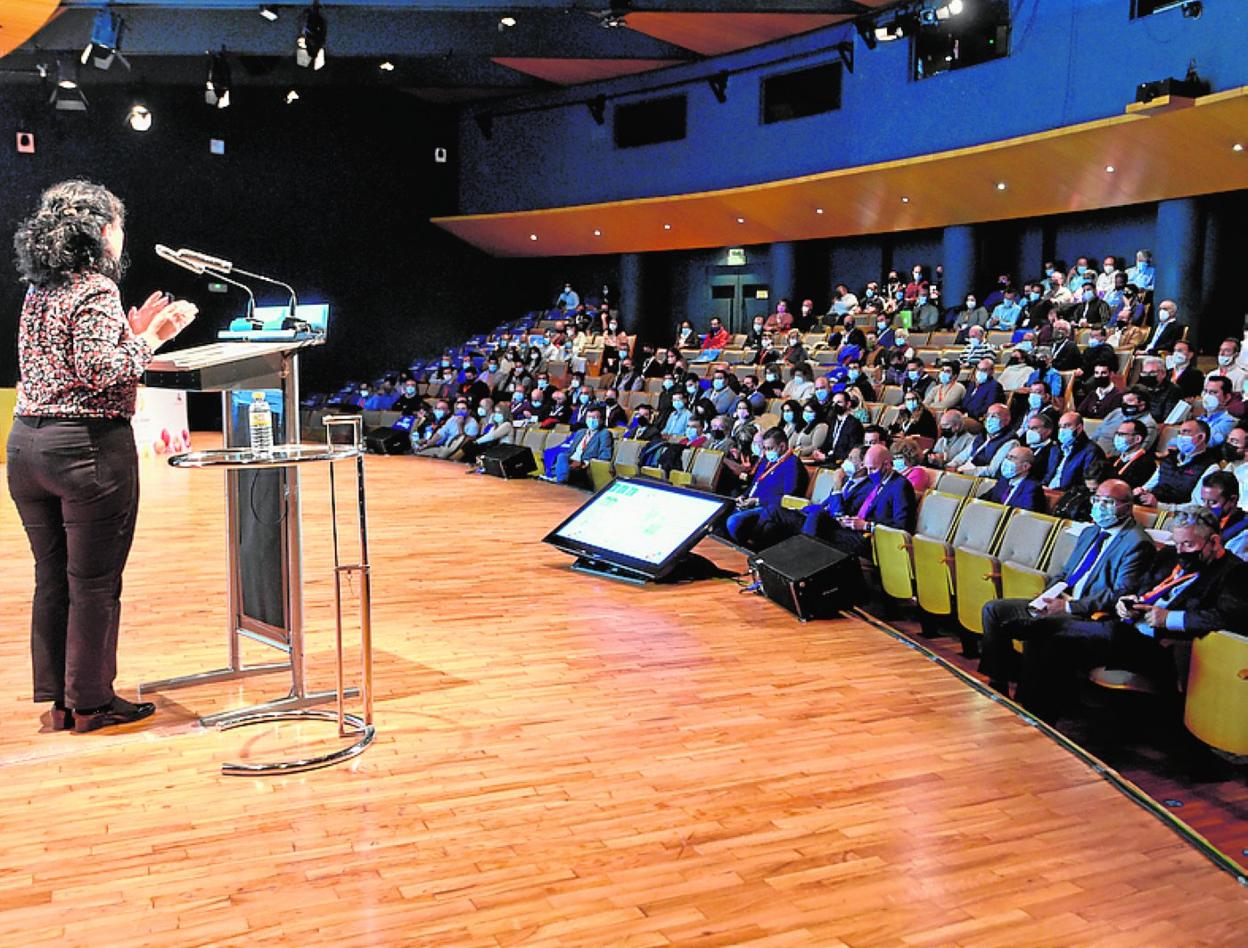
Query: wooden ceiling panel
<point>570,72</point>
<point>714,33</point>
<point>1159,153</point>
<point>22,19</point>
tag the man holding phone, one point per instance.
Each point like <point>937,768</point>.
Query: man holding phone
<point>1075,612</point>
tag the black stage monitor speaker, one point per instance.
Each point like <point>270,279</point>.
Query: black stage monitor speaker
<point>806,576</point>
<point>508,460</point>
<point>387,441</point>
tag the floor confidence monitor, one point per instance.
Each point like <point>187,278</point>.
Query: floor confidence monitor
<point>637,530</point>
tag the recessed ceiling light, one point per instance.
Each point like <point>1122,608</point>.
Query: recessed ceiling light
<point>268,12</point>
<point>740,220</point>
<point>532,236</point>
<point>1110,168</point>
<point>904,199</point>
<point>1237,147</point>
<point>507,22</point>
<point>1000,185</point>
<point>140,118</point>
<point>818,210</point>
<point>386,66</point>
<point>667,226</point>
<point>597,233</point>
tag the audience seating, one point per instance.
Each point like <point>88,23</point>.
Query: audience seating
<point>896,552</point>
<point>976,529</point>
<point>978,573</point>
<point>1216,709</point>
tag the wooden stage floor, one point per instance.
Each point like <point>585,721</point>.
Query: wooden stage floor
<point>560,760</point>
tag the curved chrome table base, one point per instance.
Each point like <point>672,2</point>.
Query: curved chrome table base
<point>366,733</point>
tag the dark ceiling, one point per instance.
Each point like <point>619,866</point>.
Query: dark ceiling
<point>443,51</point>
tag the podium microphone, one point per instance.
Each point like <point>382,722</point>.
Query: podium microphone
<point>199,265</point>
<point>207,261</point>
<point>172,256</point>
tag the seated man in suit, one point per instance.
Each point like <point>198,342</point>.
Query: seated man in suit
<point>1181,468</point>
<point>989,448</point>
<point>1039,437</point>
<point>954,439</point>
<point>1183,372</point>
<point>1132,461</point>
<point>1167,330</point>
<point>1075,451</point>
<point>570,461</point>
<point>1108,558</point>
<point>984,392</point>
<point>1134,407</point>
<point>889,500</point>
<point>777,473</point>
<point>844,431</point>
<point>1015,487</point>
<point>853,484</point>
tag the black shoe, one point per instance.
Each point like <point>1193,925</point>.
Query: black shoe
<point>61,718</point>
<point>119,711</point>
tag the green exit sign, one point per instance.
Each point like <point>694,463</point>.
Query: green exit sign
<point>215,287</point>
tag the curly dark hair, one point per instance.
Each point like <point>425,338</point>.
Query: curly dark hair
<point>65,236</point>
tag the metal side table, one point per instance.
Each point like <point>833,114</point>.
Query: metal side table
<point>359,725</point>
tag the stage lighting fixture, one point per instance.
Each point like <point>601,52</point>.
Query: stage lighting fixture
<point>1237,147</point>
<point>719,86</point>
<point>887,32</point>
<point>217,86</point>
<point>292,97</point>
<point>310,46</point>
<point>268,12</point>
<point>951,8</point>
<point>105,44</point>
<point>532,236</point>
<point>139,117</point>
<point>598,109</point>
<point>386,66</point>
<point>66,94</point>
<point>613,17</point>
<point>66,74</point>
<point>597,233</point>
<point>506,23</point>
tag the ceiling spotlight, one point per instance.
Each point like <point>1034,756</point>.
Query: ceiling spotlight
<point>1237,147</point>
<point>1110,169</point>
<point>66,75</point>
<point>506,23</point>
<point>904,199</point>
<point>310,46</point>
<point>105,44</point>
<point>532,236</point>
<point>597,233</point>
<point>292,97</point>
<point>740,220</point>
<point>268,12</point>
<point>667,226</point>
<point>139,117</point>
<point>66,95</point>
<point>217,86</point>
<point>386,66</point>
<point>818,210</point>
<point>1000,185</point>
<point>949,9</point>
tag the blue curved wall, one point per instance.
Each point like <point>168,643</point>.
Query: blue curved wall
<point>1070,61</point>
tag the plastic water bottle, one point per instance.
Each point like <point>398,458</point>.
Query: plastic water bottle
<point>260,421</point>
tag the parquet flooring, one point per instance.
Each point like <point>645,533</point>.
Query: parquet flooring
<point>560,760</point>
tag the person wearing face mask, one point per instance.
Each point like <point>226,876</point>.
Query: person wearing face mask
<point>1230,363</point>
<point>472,388</point>
<point>781,320</point>
<point>977,346</point>
<point>1065,354</point>
<point>946,391</point>
<point>953,440</point>
<point>1005,313</point>
<point>569,462</point>
<point>1214,400</point>
<point>913,419</point>
<point>629,378</point>
<point>984,391</point>
<point>1193,588</point>
<point>1111,556</point>
<point>697,399</point>
<point>1075,452</point>
<point>993,299</point>
<point>1142,275</point>
<point>559,411</point>
<point>719,435</point>
<point>1132,461</point>
<point>642,427</point>
<point>1233,463</point>
<point>676,422</point>
<point>1098,352</point>
<point>1038,436</point>
<point>754,338</point>
<point>582,399</point>
<point>1181,467</point>
<point>454,430</point>
<point>777,472</point>
<point>849,334</point>
<point>983,457</point>
<point>791,419</point>
<point>806,317</point>
<point>908,462</point>
<point>1015,487</point>
<point>801,386</point>
<point>1183,372</point>
<point>915,378</point>
<point>771,386</point>
<point>1218,491</point>
<point>685,336</point>
<point>810,435</point>
<point>1088,309</point>
<point>972,315</point>
<point>1080,275</point>
<point>1102,397</point>
<point>1032,401</point>
<point>613,413</point>
<point>497,429</point>
<point>1164,396</point>
<point>1166,330</point>
<point>409,401</point>
<point>857,380</point>
<point>795,352</point>
<point>1058,294</point>
<point>717,339</point>
<point>889,500</point>
<point>844,431</point>
<point>917,286</point>
<point>1033,308</point>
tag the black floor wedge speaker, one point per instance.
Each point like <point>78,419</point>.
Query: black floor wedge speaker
<point>806,576</point>
<point>508,460</point>
<point>387,441</point>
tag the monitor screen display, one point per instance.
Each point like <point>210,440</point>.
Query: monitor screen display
<point>644,525</point>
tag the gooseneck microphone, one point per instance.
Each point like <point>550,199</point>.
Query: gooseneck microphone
<point>205,265</point>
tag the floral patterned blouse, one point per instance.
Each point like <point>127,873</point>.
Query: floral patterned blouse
<point>77,355</point>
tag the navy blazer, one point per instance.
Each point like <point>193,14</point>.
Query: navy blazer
<point>851,434</point>
<point>598,444</point>
<point>845,501</point>
<point>1081,455</point>
<point>1028,496</point>
<point>1119,571</point>
<point>979,398</point>
<point>771,489</point>
<point>894,506</point>
<point>1215,600</point>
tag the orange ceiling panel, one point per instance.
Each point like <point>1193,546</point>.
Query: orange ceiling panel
<point>1062,170</point>
<point>713,33</point>
<point>22,19</point>
<point>570,72</point>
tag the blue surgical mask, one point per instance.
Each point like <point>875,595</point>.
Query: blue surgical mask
<point>1103,516</point>
<point>542,383</point>
<point>497,417</point>
<point>593,424</point>
<point>1008,469</point>
<point>853,375</point>
<point>409,391</point>
<point>1034,297</point>
<point>1093,342</point>
<point>912,405</point>
<point>870,293</point>
<point>798,379</point>
<point>1065,436</point>
<point>809,417</point>
<point>583,398</point>
<point>822,395</point>
<point>1026,345</point>
<point>771,376</point>
<point>981,376</point>
<point>921,300</point>
<point>691,433</point>
<point>773,456</point>
<point>899,464</point>
<point>848,467</point>
<point>678,404</point>
<point>992,424</point>
<point>1210,401</point>
<point>1122,444</point>
<point>480,411</point>
<point>1035,401</point>
<point>1032,437</point>
<point>575,383</point>
<point>946,378</point>
<point>788,417</point>
<point>493,367</point>
<point>1184,443</point>
<point>439,413</point>
<point>668,383</point>
<point>537,403</point>
<point>914,375</point>
<point>718,385</point>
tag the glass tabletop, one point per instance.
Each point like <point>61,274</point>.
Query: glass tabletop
<point>283,455</point>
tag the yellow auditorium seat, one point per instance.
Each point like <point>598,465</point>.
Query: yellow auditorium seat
<point>600,473</point>
<point>942,340</point>
<point>704,469</point>
<point>999,338</point>
<point>1020,580</point>
<point>891,395</point>
<point>978,574</point>
<point>1216,710</point>
<point>655,472</point>
<point>627,454</point>
<point>535,440</point>
<point>960,485</point>
<point>896,552</point>
<point>977,529</point>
